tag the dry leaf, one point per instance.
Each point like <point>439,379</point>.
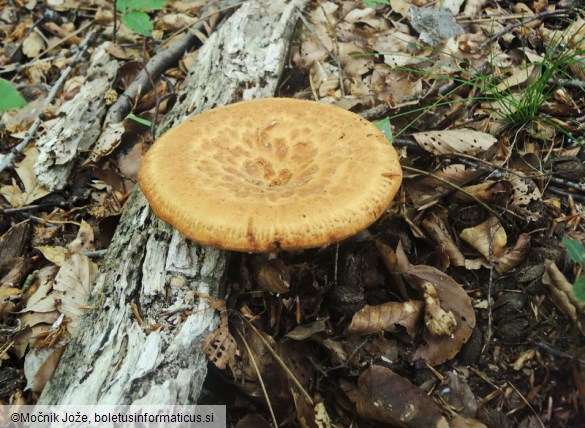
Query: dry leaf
<point>55,254</point>
<point>73,285</point>
<point>306,331</point>
<point>219,345</point>
<point>440,234</point>
<point>487,238</point>
<point>466,141</point>
<point>563,295</point>
<point>9,292</point>
<point>452,298</point>
<point>83,241</point>
<point>39,366</point>
<point>385,317</point>
<point>33,45</point>
<point>512,257</point>
<point>488,191</point>
<point>32,189</point>
<point>438,321</point>
<point>272,275</point>
<point>389,398</point>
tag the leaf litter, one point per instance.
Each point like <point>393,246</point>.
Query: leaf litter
<point>446,312</point>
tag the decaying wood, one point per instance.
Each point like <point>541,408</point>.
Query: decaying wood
<point>141,344</point>
<point>7,160</point>
<point>77,126</point>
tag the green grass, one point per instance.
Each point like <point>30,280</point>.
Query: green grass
<point>514,107</point>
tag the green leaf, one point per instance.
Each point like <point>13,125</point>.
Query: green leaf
<point>10,98</point>
<point>139,120</point>
<point>579,288</point>
<point>384,126</point>
<point>373,3</point>
<point>122,5</point>
<point>130,5</point>
<point>575,250</point>
<point>138,21</point>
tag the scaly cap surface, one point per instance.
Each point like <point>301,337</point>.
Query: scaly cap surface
<point>271,173</point>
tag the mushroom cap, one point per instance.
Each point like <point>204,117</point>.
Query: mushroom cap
<point>271,173</point>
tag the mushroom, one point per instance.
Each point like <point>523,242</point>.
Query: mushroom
<point>269,174</point>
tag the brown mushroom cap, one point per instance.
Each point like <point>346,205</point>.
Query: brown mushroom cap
<point>271,173</point>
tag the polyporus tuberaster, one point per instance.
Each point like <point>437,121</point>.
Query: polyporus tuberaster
<point>273,173</point>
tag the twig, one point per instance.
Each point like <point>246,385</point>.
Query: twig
<point>8,211</point>
<point>562,192</point>
<point>543,14</point>
<point>558,353</point>
<point>458,188</point>
<point>24,37</point>
<point>160,62</point>
<point>8,159</point>
<point>473,162</point>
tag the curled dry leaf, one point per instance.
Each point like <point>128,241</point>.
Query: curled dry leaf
<point>220,347</point>
<point>39,366</point>
<point>387,397</point>
<point>525,191</point>
<point>33,190</point>
<point>457,394</point>
<point>452,298</point>
<point>512,257</point>
<point>438,321</point>
<point>33,45</point>
<point>563,296</point>
<point>272,275</point>
<point>440,234</point>
<point>305,331</point>
<point>464,141</point>
<point>488,191</point>
<point>489,238</point>
<point>385,317</point>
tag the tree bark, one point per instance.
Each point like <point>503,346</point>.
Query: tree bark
<point>142,341</point>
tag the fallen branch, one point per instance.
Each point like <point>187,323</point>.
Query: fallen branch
<point>509,28</point>
<point>163,60</point>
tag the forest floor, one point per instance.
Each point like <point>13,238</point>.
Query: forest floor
<point>462,306</point>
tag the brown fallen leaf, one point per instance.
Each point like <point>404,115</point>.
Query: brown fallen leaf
<point>33,190</point>
<point>438,321</point>
<point>73,285</point>
<point>39,366</point>
<point>83,241</point>
<point>488,191</point>
<point>563,296</point>
<point>513,256</point>
<point>387,397</point>
<point>440,234</point>
<point>488,238</point>
<point>305,331</point>
<point>219,345</point>
<point>385,317</point>
<point>454,299</point>
<point>272,275</point>
<point>466,141</point>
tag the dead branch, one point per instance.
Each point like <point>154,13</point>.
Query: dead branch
<point>164,59</point>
